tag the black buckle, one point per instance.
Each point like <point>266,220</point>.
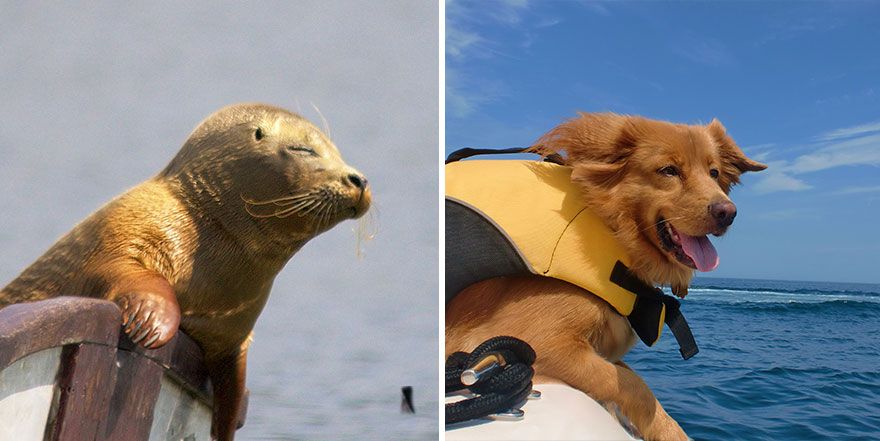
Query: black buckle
<point>649,301</point>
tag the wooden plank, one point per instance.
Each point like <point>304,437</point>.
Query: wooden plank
<point>85,386</point>
<point>182,356</point>
<point>26,390</point>
<point>179,414</point>
<point>26,328</point>
<point>105,392</point>
<point>130,415</point>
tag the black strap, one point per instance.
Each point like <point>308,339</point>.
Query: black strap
<point>646,310</point>
<point>679,327</point>
<point>467,152</point>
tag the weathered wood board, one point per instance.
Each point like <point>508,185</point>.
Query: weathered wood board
<point>26,390</point>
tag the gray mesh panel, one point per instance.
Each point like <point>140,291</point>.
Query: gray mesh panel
<point>475,250</point>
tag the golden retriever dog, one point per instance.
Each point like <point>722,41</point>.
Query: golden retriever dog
<point>661,188</point>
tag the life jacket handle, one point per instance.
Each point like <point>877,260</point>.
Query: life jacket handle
<point>467,152</point>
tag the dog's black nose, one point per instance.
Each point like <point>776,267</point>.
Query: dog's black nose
<point>723,213</point>
<point>357,180</point>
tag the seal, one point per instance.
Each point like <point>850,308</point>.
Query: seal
<point>199,245</point>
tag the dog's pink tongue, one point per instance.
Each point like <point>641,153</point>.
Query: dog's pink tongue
<point>700,250</point>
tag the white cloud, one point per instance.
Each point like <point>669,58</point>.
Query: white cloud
<point>509,11</point>
<point>465,93</point>
<point>774,181</point>
<point>760,152</point>
<point>466,39</point>
<point>849,146</point>
<point>464,21</point>
<point>863,150</point>
<point>858,190</point>
<point>850,131</point>
<point>458,41</point>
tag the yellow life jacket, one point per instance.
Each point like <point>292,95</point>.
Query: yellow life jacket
<point>506,217</point>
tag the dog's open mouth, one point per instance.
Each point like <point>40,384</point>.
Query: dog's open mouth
<point>692,251</point>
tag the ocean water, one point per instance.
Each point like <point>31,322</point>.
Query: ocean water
<point>779,360</point>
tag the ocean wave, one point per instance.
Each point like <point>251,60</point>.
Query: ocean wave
<point>849,308</point>
<point>780,360</point>
<point>730,295</point>
<point>780,290</point>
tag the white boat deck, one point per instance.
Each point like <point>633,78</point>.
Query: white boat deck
<point>562,413</point>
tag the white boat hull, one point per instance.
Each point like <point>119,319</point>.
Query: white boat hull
<point>562,413</point>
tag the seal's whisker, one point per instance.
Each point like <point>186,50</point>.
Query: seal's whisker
<point>301,196</point>
<point>258,215</point>
<point>289,204</point>
<point>317,217</point>
<point>328,213</point>
<point>367,228</point>
<point>302,205</point>
<point>320,203</point>
<point>334,207</point>
<point>286,213</point>
<point>320,214</point>
<point>323,120</point>
<point>297,207</point>
<point>314,207</point>
<point>271,201</point>
<point>284,200</point>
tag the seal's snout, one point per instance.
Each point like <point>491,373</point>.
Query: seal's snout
<point>363,201</point>
<point>357,180</point>
<point>358,189</point>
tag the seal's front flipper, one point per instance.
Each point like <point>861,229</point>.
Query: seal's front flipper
<point>227,376</point>
<point>150,314</point>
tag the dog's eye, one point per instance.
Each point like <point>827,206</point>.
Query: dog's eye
<point>303,149</point>
<point>713,173</point>
<point>669,170</point>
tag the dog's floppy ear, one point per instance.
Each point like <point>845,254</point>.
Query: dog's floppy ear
<point>730,152</point>
<point>734,161</point>
<point>596,145</point>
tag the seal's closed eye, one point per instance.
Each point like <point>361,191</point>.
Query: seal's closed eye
<point>304,149</point>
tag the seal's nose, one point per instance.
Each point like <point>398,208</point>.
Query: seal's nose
<point>358,181</point>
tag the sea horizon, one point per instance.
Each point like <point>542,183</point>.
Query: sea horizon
<point>697,279</point>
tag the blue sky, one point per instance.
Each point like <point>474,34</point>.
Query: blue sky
<point>796,84</point>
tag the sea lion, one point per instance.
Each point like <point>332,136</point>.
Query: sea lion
<point>199,245</point>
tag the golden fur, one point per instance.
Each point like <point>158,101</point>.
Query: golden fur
<point>199,245</point>
<point>622,165</point>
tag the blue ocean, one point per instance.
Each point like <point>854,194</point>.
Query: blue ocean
<point>778,360</point>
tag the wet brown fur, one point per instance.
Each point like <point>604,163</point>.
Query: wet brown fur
<point>186,246</point>
<point>579,338</point>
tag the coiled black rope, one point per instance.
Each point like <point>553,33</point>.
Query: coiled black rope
<point>497,392</point>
